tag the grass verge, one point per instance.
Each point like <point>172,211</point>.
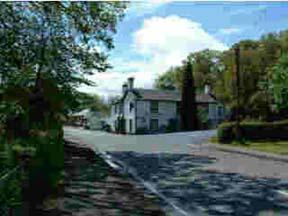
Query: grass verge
<point>275,147</point>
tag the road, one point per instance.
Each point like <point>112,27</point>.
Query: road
<point>169,143</point>
<point>170,166</point>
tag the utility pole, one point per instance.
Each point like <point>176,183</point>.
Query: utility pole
<point>237,77</point>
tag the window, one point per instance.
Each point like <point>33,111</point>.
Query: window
<point>154,106</point>
<point>220,111</point>
<point>131,106</point>
<point>178,107</point>
<point>130,125</point>
<point>154,124</point>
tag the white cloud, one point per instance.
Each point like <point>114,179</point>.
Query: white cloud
<point>168,40</point>
<point>172,34</point>
<point>229,31</point>
<point>162,42</point>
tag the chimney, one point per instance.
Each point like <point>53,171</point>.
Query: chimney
<point>130,83</point>
<point>124,88</point>
<point>207,89</point>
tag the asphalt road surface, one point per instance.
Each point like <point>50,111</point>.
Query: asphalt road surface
<point>169,166</point>
<point>169,143</point>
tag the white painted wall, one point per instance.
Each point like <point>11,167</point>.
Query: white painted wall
<point>129,114</point>
<point>113,118</point>
<point>166,111</point>
<point>143,113</point>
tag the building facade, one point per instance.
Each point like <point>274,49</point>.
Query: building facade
<point>152,111</point>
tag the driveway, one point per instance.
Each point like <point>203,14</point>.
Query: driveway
<point>192,179</point>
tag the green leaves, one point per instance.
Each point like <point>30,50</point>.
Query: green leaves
<point>169,80</point>
<point>206,64</point>
<point>8,110</point>
<point>263,75</point>
<point>52,35</point>
<point>63,41</point>
<point>278,83</point>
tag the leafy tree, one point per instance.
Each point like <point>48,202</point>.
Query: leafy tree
<point>283,37</point>
<point>93,102</point>
<point>252,98</point>
<point>46,51</point>
<point>205,67</point>
<point>278,83</point>
<point>170,80</point>
<point>59,42</point>
<point>260,69</point>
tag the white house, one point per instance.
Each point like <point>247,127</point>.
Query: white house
<point>152,111</point>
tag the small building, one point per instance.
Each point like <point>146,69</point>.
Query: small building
<point>86,118</point>
<point>79,119</point>
<point>152,111</point>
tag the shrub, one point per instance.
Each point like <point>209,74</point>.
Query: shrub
<point>254,131</point>
<point>142,130</point>
<point>172,126</point>
<point>225,132</point>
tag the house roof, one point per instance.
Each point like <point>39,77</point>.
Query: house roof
<point>165,95</point>
<point>169,95</point>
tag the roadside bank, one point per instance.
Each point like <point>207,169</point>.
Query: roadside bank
<point>92,187</point>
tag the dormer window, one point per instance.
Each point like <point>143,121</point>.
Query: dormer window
<point>131,106</point>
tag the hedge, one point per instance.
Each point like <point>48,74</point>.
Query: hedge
<point>254,131</point>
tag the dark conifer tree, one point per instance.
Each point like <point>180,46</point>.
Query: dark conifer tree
<point>188,113</point>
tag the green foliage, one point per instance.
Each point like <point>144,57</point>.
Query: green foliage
<point>250,76</point>
<point>170,80</point>
<point>61,40</point>
<point>8,110</point>
<point>57,38</point>
<point>46,52</point>
<point>205,64</point>
<point>263,76</point>
<point>250,130</point>
<point>89,101</point>
<point>50,154</point>
<point>278,83</point>
<point>172,126</point>
<point>188,112</point>
<point>10,193</point>
<point>142,130</point>
<point>225,132</point>
<point>202,113</point>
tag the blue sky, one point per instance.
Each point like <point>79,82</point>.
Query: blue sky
<point>156,35</point>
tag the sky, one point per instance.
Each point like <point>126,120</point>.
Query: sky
<point>155,35</point>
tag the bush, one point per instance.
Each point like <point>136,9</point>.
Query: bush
<point>225,132</point>
<point>254,131</point>
<point>172,126</point>
<point>142,130</point>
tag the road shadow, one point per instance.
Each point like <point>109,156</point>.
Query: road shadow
<point>182,179</point>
